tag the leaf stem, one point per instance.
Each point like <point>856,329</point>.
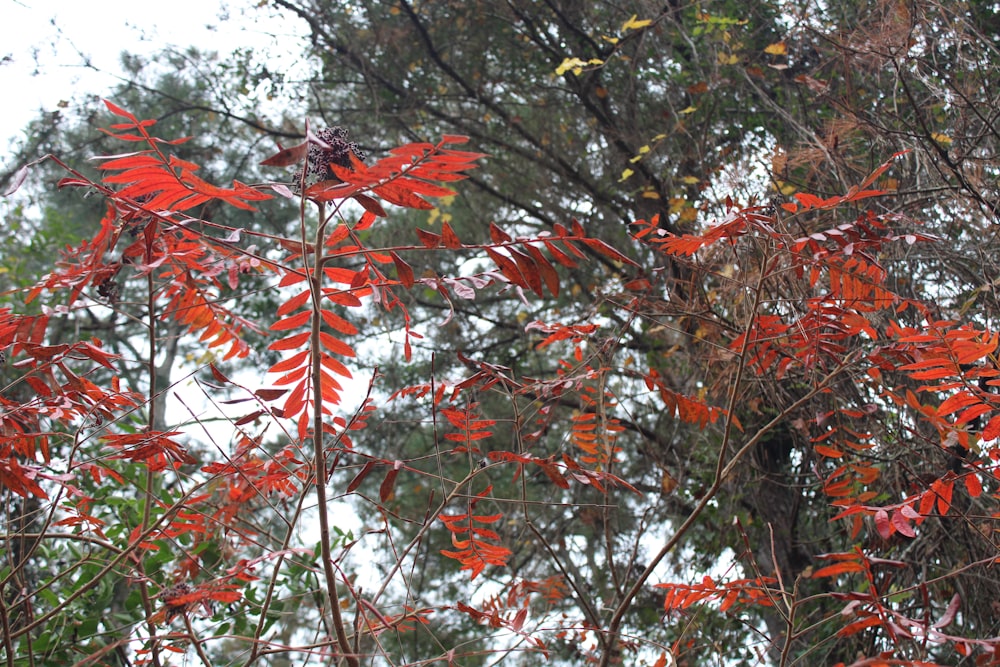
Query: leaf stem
<point>147,508</point>
<point>319,453</point>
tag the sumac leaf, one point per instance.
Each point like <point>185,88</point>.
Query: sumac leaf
<point>498,235</point>
<point>17,181</point>
<point>400,196</point>
<point>882,524</point>
<point>902,524</point>
<point>386,489</point>
<point>449,237</point>
<point>338,323</point>
<point>403,270</point>
<point>288,156</point>
<point>270,394</point>
<point>360,477</point>
<point>429,239</point>
<point>973,485</point>
<point>292,342</point>
<point>294,322</point>
<point>371,205</point>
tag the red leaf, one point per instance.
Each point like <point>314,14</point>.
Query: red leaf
<point>403,270</point>
<point>992,430</point>
<point>294,361</point>
<point>956,402</point>
<point>429,239</point>
<point>288,156</point>
<point>360,477</point>
<point>334,345</point>
<point>498,235</point>
<point>449,238</point>
<point>881,169</point>
<point>507,267</point>
<point>901,524</point>
<point>270,394</point>
<point>943,488</point>
<point>292,342</point>
<point>400,196</point>
<point>606,250</point>
<point>828,452</point>
<point>838,568</point>
<point>371,205</point>
<point>973,485</point>
<point>548,272</point>
<point>949,613</point>
<point>882,524</point>
<point>293,322</point>
<point>529,271</point>
<point>385,490</point>
<point>858,626</point>
<point>338,323</point>
<point>118,111</point>
<point>217,374</point>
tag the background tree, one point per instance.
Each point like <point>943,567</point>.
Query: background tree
<point>752,369</point>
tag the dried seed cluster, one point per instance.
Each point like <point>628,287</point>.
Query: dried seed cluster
<point>339,151</point>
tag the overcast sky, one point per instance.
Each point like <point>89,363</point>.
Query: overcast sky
<point>45,45</point>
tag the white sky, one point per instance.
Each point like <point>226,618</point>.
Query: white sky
<point>45,43</point>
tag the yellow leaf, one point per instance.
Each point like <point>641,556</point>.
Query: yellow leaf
<point>667,484</point>
<point>650,194</point>
<point>689,110</point>
<point>689,215</point>
<point>690,180</point>
<point>574,64</point>
<point>612,40</point>
<point>941,138</point>
<point>633,24</point>
<point>728,59</point>
<point>626,175</point>
<point>642,151</point>
<point>776,49</point>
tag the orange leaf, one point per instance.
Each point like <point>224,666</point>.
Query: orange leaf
<point>338,323</point>
<point>858,626</point>
<point>293,322</point>
<point>292,342</point>
<point>828,452</point>
<point>973,485</point>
